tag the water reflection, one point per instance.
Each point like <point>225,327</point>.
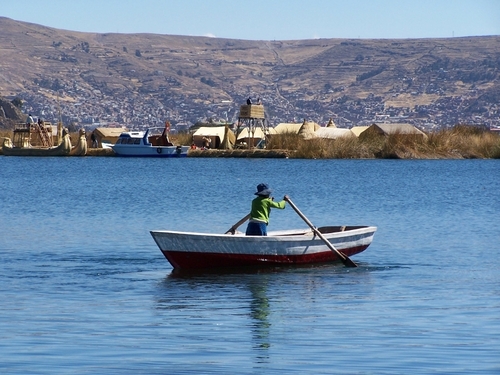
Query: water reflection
<point>259,311</point>
<point>246,289</point>
<point>255,304</point>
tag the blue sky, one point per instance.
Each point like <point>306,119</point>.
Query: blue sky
<point>266,19</point>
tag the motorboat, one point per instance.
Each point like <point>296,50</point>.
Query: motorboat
<point>141,143</point>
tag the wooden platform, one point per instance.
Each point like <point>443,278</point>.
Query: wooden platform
<point>252,111</point>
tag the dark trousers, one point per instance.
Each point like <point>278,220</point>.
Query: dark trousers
<point>256,229</point>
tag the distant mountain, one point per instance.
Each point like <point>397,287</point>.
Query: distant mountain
<point>143,79</point>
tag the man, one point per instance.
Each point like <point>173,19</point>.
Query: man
<point>93,138</point>
<point>30,120</point>
<point>261,209</point>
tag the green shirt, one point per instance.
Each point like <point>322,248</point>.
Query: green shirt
<point>261,208</point>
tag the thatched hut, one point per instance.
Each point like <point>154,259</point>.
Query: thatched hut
<point>308,129</point>
<point>384,130</point>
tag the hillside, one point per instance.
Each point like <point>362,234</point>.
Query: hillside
<point>137,79</point>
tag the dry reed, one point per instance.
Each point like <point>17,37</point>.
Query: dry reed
<point>460,142</point>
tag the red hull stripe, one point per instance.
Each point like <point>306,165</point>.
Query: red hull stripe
<point>187,260</point>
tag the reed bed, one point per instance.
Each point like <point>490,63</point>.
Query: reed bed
<point>460,142</point>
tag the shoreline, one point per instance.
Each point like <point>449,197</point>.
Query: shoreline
<point>258,154</point>
<point>279,154</point>
<point>275,154</point>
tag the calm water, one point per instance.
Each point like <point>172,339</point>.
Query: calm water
<point>84,289</point>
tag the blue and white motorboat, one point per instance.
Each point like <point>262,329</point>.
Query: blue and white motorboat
<point>140,143</point>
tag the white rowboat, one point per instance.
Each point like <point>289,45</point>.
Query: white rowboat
<point>191,250</point>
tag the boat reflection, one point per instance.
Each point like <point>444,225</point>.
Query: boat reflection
<point>251,302</point>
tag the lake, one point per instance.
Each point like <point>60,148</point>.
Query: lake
<point>85,289</point>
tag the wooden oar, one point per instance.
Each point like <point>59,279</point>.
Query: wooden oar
<point>345,259</point>
<point>232,230</point>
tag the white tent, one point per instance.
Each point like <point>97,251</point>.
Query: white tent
<point>246,137</point>
<point>245,134</point>
<point>333,133</point>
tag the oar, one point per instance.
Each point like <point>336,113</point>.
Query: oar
<point>345,259</point>
<point>235,226</point>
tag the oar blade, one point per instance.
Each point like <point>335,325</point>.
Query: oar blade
<point>347,261</point>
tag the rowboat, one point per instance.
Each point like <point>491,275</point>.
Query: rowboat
<point>192,250</point>
<point>140,143</point>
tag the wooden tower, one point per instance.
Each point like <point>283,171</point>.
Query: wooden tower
<point>252,116</point>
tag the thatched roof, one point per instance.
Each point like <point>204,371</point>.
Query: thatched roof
<point>286,128</point>
<point>400,128</point>
<point>308,128</point>
<point>357,130</point>
<point>396,129</point>
<point>388,129</point>
<point>331,124</point>
<point>208,131</point>
<point>109,132</point>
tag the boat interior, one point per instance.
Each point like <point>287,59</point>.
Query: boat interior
<point>343,228</point>
<point>324,230</point>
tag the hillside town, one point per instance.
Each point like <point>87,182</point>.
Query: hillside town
<point>95,109</point>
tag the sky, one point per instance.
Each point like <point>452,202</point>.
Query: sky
<point>266,19</point>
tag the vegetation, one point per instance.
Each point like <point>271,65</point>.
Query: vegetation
<point>460,142</point>
<point>181,139</point>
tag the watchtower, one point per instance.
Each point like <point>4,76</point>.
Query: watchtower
<point>252,116</point>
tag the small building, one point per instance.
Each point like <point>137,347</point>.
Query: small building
<point>216,135</point>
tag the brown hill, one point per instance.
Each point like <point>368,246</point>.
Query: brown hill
<point>139,79</point>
